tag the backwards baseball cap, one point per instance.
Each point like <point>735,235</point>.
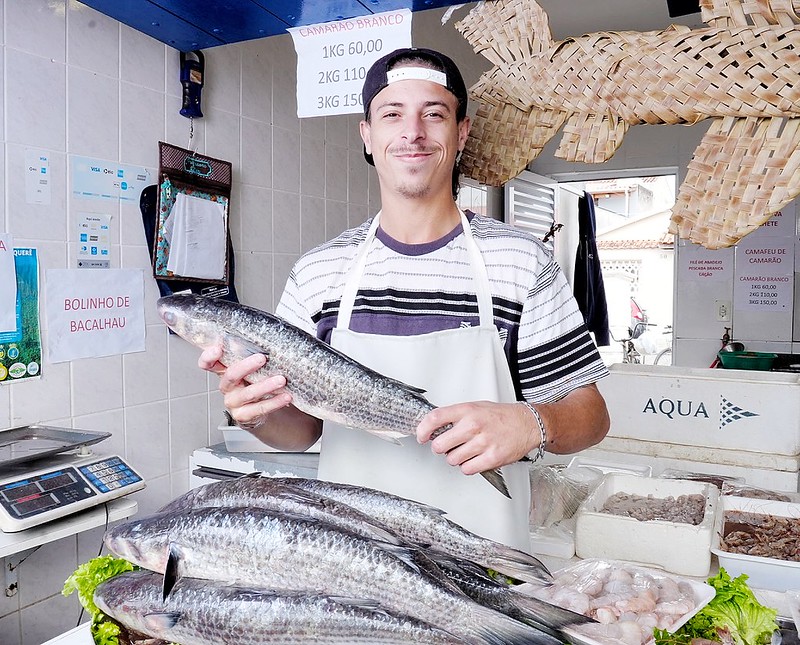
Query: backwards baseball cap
<point>439,69</point>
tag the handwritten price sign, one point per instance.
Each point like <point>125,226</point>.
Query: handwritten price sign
<point>333,59</point>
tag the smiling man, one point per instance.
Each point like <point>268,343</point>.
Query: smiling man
<point>471,310</point>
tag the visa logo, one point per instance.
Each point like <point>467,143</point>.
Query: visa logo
<point>94,169</point>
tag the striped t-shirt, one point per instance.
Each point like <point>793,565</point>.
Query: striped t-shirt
<point>410,289</point>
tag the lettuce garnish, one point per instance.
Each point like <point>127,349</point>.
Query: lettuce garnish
<point>84,580</point>
<point>733,615</point>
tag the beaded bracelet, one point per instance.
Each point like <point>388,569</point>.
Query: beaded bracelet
<point>543,443</point>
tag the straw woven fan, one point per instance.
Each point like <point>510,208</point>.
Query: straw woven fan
<point>742,71</point>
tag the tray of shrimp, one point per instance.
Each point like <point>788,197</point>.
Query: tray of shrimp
<point>627,601</point>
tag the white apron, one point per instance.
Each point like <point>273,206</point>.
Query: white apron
<point>453,366</point>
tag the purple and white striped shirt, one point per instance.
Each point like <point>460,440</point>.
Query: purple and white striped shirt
<point>411,289</point>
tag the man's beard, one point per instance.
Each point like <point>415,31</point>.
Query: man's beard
<point>413,189</point>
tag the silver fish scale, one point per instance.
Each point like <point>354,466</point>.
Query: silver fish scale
<point>257,547</point>
<point>215,613</point>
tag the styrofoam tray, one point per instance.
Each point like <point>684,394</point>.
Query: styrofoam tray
<point>678,547</point>
<point>763,573</point>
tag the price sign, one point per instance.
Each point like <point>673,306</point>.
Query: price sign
<point>333,59</point>
<point>764,274</point>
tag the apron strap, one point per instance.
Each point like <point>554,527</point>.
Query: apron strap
<point>482,290</point>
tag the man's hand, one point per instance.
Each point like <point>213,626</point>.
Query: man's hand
<point>488,435</point>
<point>248,404</point>
<point>264,407</point>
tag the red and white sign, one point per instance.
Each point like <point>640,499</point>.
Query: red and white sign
<point>94,313</point>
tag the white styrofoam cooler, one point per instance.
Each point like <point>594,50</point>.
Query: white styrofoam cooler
<point>675,546</point>
<point>738,410</point>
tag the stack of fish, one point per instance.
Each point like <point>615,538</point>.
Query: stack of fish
<point>267,560</point>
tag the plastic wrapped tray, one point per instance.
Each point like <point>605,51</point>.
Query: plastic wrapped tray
<point>581,587</point>
<point>27,443</point>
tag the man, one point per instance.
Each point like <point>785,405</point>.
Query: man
<point>473,311</point>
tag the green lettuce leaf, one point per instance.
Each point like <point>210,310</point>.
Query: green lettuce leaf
<point>84,580</point>
<point>734,609</point>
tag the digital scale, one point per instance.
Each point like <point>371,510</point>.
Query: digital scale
<point>38,484</point>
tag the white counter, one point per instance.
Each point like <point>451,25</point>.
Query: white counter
<point>78,636</point>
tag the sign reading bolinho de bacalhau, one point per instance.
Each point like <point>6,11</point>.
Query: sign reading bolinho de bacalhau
<point>94,313</point>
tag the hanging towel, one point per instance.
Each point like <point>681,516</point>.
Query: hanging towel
<point>589,290</point>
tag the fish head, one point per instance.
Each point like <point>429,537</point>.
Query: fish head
<point>130,597</point>
<point>143,542</point>
<point>192,318</point>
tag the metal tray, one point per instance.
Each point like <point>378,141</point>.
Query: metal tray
<point>27,443</point>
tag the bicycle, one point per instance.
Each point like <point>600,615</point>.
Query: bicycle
<point>666,353</point>
<point>629,352</point>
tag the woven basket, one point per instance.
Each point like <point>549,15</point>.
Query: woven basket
<point>741,71</point>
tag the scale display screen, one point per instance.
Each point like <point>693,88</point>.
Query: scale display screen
<point>45,495</point>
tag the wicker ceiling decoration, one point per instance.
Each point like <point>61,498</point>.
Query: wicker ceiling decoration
<point>743,71</point>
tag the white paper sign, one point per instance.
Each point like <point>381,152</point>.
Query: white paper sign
<point>701,265</point>
<point>333,59</point>
<point>94,243</point>
<point>37,177</point>
<point>98,179</point>
<point>8,284</point>
<point>94,313</point>
<point>764,279</point>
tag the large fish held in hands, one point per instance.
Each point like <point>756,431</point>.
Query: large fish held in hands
<point>323,382</point>
<point>204,612</point>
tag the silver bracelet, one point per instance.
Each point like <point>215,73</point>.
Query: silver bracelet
<point>543,443</point>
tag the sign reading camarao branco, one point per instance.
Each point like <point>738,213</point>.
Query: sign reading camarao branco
<point>94,313</point>
<point>333,59</point>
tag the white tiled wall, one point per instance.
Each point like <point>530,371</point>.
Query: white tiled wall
<point>75,82</point>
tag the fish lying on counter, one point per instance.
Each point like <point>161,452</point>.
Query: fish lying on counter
<point>369,512</point>
<point>323,382</point>
<point>201,611</point>
<point>280,555</point>
<point>261,548</point>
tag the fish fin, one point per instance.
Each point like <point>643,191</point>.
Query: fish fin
<point>542,614</point>
<point>748,187</point>
<point>591,138</point>
<point>495,628</point>
<point>239,347</point>
<point>172,570</point>
<point>488,156</point>
<point>496,479</point>
<point>518,564</point>
<point>388,435</point>
<point>160,621</point>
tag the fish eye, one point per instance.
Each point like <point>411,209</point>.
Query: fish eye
<point>169,317</point>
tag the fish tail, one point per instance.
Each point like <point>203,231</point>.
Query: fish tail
<point>544,615</point>
<point>518,564</point>
<point>495,478</point>
<point>495,628</point>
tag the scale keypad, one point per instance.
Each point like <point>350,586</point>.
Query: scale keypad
<point>109,474</point>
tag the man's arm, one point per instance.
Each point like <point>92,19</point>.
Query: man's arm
<point>577,421</point>
<point>488,435</point>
